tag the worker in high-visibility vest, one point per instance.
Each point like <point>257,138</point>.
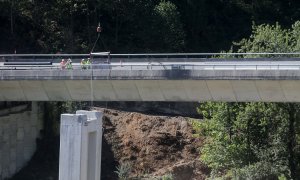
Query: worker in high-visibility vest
<point>88,63</point>
<point>69,64</point>
<point>82,64</point>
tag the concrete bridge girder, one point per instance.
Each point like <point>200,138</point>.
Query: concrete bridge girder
<point>11,91</point>
<point>291,90</point>
<point>151,90</point>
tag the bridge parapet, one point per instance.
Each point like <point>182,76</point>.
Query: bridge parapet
<point>95,74</point>
<point>153,57</point>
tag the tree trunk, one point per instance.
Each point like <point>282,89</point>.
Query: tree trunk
<point>12,25</point>
<point>72,28</point>
<point>88,28</point>
<point>229,124</point>
<point>292,140</point>
<point>11,18</point>
<point>117,31</point>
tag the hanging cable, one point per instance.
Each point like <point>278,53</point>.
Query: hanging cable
<point>91,63</point>
<point>98,31</point>
<point>103,44</point>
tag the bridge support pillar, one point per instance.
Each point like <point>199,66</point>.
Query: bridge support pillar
<point>80,146</point>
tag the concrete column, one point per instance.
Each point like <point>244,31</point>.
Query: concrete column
<point>80,146</point>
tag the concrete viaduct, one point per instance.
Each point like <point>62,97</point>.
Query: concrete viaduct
<point>162,79</point>
<point>142,77</point>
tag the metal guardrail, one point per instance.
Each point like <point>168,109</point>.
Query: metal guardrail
<point>131,67</point>
<point>105,54</point>
<point>152,57</point>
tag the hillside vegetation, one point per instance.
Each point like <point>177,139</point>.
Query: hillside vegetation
<point>129,26</point>
<point>255,140</point>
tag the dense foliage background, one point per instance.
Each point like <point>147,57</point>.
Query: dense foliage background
<point>129,26</point>
<point>255,140</point>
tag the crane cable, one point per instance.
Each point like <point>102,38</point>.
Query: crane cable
<point>91,60</point>
<point>99,29</point>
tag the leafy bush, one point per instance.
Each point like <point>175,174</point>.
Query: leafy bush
<point>167,177</point>
<point>123,170</point>
<point>196,125</point>
<point>260,170</point>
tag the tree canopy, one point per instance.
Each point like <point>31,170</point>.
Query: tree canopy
<point>129,26</point>
<point>255,140</point>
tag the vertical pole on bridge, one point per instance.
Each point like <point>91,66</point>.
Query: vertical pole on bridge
<point>80,146</point>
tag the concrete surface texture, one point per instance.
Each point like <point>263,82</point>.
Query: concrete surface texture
<point>18,133</point>
<point>80,146</point>
<point>151,85</point>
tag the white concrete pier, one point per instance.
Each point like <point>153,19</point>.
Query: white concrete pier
<point>80,146</point>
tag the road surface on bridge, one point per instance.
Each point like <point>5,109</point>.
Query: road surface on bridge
<point>207,65</point>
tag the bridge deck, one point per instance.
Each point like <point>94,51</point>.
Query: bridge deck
<point>154,77</point>
<point>150,85</point>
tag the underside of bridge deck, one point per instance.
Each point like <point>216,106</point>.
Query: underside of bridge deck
<point>181,85</point>
<point>151,90</point>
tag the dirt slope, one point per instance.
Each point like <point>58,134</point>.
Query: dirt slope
<point>154,145</point>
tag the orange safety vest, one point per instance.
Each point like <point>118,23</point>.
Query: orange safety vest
<point>62,65</point>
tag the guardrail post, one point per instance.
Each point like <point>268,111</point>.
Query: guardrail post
<point>80,146</point>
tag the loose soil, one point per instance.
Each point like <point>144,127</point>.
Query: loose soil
<point>153,145</point>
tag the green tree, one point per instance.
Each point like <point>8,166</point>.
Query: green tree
<point>242,137</point>
<point>170,27</point>
<point>135,25</point>
<point>255,140</point>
